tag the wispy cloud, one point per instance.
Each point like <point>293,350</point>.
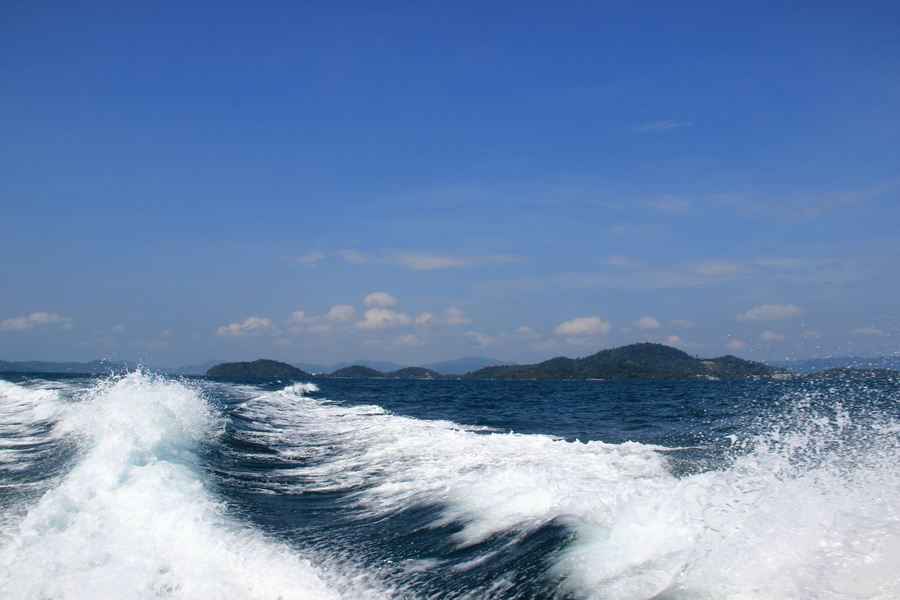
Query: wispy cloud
<point>337,315</point>
<point>771,336</point>
<point>869,331</point>
<point>426,261</point>
<point>251,327</point>
<point>771,312</point>
<point>810,206</point>
<point>582,326</point>
<point>669,203</point>
<point>676,342</point>
<point>646,323</point>
<point>454,316</point>
<point>36,320</point>
<point>682,323</point>
<point>660,126</point>
<point>310,260</point>
<point>383,318</point>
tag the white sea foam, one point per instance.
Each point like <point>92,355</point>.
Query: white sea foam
<point>810,508</point>
<point>132,519</point>
<point>813,511</point>
<point>25,415</point>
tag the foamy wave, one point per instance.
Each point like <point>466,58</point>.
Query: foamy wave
<point>133,519</point>
<point>27,417</point>
<point>811,512</point>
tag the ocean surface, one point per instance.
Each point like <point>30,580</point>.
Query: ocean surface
<point>144,486</point>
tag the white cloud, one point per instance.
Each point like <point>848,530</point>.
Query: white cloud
<point>310,259</point>
<point>295,322</point>
<point>770,336</point>
<point>454,316</point>
<point>720,268</point>
<point>382,318</point>
<point>483,339</point>
<point>527,333</point>
<point>677,342</point>
<point>296,318</point>
<point>735,345</point>
<point>16,324</point>
<point>811,333</point>
<point>408,340</point>
<point>772,312</point>
<point>342,313</point>
<point>584,326</point>
<point>682,323</point>
<point>660,126</point>
<point>426,261</point>
<point>37,319</point>
<point>380,299</point>
<point>451,316</point>
<point>869,331</point>
<point>355,257</point>
<point>119,328</point>
<point>669,203</point>
<point>251,327</point>
<point>646,323</point>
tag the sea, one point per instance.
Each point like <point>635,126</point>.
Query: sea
<point>138,486</point>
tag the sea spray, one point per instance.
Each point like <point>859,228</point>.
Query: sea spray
<point>729,490</point>
<point>133,518</point>
<point>809,508</point>
<point>806,507</point>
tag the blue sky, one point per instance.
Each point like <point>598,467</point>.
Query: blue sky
<point>419,181</point>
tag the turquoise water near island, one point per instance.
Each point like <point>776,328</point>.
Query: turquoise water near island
<point>145,486</point>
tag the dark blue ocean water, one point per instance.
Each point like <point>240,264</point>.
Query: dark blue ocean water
<point>141,486</point>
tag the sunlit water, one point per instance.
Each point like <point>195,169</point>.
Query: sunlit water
<point>147,487</point>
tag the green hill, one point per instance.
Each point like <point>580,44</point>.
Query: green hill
<point>257,368</point>
<point>637,361</point>
<point>357,372</point>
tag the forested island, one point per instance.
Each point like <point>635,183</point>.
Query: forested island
<point>257,368</point>
<point>633,362</point>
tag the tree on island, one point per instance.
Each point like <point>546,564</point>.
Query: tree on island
<point>257,368</point>
<point>636,361</point>
<point>357,372</point>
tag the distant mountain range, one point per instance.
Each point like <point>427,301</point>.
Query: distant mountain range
<point>635,361</point>
<point>450,367</point>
